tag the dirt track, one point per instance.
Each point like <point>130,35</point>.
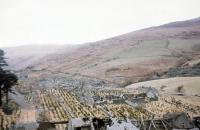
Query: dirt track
<point>27,116</point>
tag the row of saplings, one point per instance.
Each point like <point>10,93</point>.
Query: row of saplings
<point>68,107</point>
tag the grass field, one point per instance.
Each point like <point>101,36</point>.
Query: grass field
<point>191,85</point>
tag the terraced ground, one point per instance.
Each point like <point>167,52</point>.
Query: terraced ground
<point>58,105</point>
<point>124,110</point>
<point>180,94</point>
<point>62,105</point>
<point>170,104</point>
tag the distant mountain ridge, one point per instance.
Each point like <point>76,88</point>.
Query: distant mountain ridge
<point>22,56</point>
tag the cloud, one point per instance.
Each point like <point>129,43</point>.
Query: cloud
<point>76,21</point>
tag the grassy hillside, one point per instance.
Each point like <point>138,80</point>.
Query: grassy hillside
<point>186,85</point>
<point>131,57</point>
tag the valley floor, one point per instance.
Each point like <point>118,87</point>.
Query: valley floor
<point>60,105</point>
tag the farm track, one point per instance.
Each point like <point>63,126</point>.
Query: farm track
<point>27,116</point>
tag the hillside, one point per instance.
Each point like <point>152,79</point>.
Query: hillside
<point>137,56</point>
<point>189,85</point>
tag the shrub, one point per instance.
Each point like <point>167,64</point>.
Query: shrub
<point>180,89</point>
<point>7,109</point>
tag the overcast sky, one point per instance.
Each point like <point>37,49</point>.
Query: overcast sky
<point>25,22</point>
